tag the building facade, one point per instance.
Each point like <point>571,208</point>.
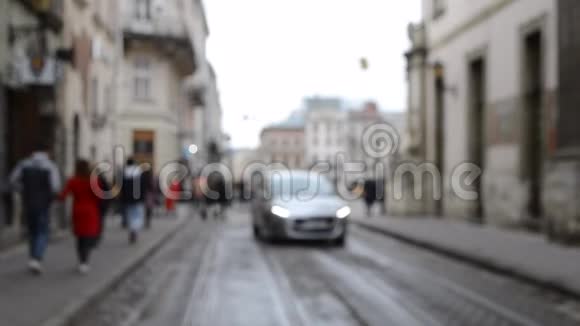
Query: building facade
<point>84,76</point>
<point>487,87</point>
<point>153,106</point>
<point>30,87</point>
<point>202,88</point>
<point>89,83</point>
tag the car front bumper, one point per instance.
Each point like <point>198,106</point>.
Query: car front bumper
<point>322,228</point>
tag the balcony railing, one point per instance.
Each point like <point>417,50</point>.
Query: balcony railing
<point>154,22</point>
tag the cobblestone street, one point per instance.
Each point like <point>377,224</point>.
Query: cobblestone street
<point>217,274</point>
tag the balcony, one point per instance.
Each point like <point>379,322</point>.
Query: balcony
<point>162,26</point>
<point>163,21</point>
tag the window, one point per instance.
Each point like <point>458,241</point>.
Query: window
<point>439,7</point>
<point>143,9</point>
<point>108,98</point>
<point>142,82</point>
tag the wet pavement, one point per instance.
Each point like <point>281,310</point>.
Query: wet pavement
<point>215,273</point>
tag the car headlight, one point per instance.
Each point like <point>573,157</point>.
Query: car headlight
<point>280,211</point>
<point>343,212</point>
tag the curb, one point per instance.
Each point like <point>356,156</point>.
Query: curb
<point>474,260</point>
<point>67,316</point>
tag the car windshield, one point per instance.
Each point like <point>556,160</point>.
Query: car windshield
<point>301,185</point>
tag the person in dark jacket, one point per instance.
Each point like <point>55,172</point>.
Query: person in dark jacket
<point>370,195</point>
<point>133,194</point>
<point>218,199</point>
<point>38,180</point>
<point>104,204</point>
<point>150,196</point>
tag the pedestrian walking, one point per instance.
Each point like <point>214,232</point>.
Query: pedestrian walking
<point>86,215</point>
<point>38,180</point>
<point>382,195</point>
<point>133,193</point>
<point>150,196</point>
<point>199,184</point>
<point>216,197</point>
<point>370,195</point>
<point>104,204</point>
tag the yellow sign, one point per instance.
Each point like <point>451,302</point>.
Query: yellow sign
<point>41,5</point>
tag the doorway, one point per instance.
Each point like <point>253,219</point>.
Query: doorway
<point>532,138</point>
<point>28,125</point>
<point>477,130</point>
<point>144,146</point>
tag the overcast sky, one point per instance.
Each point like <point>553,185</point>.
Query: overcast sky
<point>269,54</point>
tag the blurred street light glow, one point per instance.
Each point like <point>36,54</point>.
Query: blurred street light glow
<point>193,149</point>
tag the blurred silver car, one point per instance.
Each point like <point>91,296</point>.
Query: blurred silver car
<point>299,205</point>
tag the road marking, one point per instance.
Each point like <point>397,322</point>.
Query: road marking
<point>223,287</point>
<point>371,298</point>
<point>153,288</point>
<point>285,288</point>
<point>361,249</point>
<point>200,288</point>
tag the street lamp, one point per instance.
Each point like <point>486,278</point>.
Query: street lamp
<point>439,73</point>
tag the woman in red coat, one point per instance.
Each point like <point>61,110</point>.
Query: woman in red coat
<point>86,221</point>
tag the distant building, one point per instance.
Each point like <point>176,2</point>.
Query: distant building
<point>283,143</point>
<point>322,130</point>
<point>240,160</point>
<point>325,130</point>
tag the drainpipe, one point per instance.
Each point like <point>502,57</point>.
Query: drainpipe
<point>119,57</point>
<point>3,179</point>
<point>3,176</point>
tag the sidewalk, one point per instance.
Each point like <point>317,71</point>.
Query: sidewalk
<point>523,255</point>
<point>53,298</point>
